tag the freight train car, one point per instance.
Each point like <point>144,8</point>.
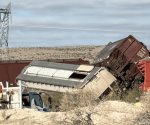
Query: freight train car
<point>121,57</point>
<point>9,70</point>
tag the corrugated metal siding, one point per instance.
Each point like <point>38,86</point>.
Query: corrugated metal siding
<point>125,45</point>
<point>10,70</point>
<point>132,50</point>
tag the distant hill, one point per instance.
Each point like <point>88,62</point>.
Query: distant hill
<point>43,53</point>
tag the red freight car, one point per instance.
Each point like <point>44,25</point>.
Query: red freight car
<point>121,58</point>
<point>144,67</point>
<point>9,70</point>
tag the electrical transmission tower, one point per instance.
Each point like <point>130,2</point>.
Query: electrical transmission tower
<point>4,30</point>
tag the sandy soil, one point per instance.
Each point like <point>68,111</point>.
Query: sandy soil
<point>43,53</point>
<point>106,113</point>
<point>84,52</point>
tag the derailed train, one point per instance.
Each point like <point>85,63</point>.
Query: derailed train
<point>121,58</point>
<point>9,70</point>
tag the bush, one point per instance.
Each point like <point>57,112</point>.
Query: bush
<point>76,100</point>
<point>132,95</point>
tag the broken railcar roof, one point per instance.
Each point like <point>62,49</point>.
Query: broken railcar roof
<point>54,71</point>
<point>104,54</point>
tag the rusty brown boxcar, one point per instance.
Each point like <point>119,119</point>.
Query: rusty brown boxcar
<point>121,58</point>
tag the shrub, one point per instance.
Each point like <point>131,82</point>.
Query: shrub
<point>76,100</point>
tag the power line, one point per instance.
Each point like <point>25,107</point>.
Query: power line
<point>81,29</point>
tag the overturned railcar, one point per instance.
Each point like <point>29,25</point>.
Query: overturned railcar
<point>61,77</point>
<point>121,57</point>
<point>9,70</point>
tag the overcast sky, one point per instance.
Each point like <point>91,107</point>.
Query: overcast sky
<point>77,22</point>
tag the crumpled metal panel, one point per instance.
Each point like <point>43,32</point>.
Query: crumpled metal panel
<point>85,68</point>
<point>105,53</point>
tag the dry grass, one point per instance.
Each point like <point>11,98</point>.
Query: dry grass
<point>144,117</point>
<point>43,53</point>
<point>105,113</point>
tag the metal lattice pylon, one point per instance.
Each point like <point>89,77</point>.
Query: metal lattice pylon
<point>4,29</point>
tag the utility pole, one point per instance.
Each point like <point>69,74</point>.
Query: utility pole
<point>4,30</point>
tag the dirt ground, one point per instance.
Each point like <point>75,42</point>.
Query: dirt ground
<point>43,53</point>
<point>105,113</point>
